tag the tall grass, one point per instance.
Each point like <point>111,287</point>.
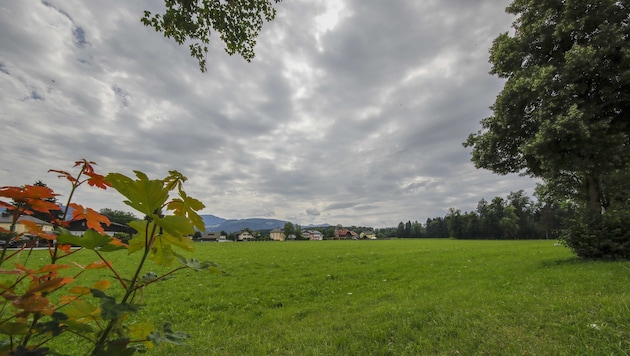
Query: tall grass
<point>397,297</point>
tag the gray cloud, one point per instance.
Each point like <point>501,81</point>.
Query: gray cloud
<point>355,120</point>
<point>313,212</point>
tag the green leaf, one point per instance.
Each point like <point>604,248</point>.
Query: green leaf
<point>81,309</point>
<point>111,310</point>
<point>55,326</point>
<point>91,240</point>
<point>174,180</point>
<point>199,266</point>
<point>168,336</point>
<point>188,206</point>
<point>146,196</point>
<point>180,241</point>
<point>162,250</point>
<point>14,328</point>
<point>139,240</point>
<point>162,254</point>
<point>78,327</point>
<point>148,277</point>
<point>175,225</point>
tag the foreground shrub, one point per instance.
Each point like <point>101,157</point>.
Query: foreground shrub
<point>45,299</point>
<point>600,236</point>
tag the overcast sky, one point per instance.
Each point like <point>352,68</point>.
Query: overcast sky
<point>353,111</point>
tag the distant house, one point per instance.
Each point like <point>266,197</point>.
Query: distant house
<point>345,234</point>
<point>245,235</point>
<point>369,235</point>
<point>277,235</point>
<point>20,227</point>
<point>78,227</point>
<point>312,235</point>
<point>210,237</point>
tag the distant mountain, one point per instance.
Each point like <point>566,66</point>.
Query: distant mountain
<point>216,224</point>
<point>212,221</point>
<point>316,225</point>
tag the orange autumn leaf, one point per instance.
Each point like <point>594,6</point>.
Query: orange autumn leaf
<point>65,299</point>
<point>21,194</point>
<point>79,290</point>
<point>31,226</point>
<point>23,268</point>
<point>6,205</point>
<point>11,271</point>
<point>34,196</point>
<point>92,217</point>
<point>102,285</point>
<point>64,174</point>
<point>32,303</point>
<point>65,248</point>
<point>87,165</point>
<point>47,236</point>
<point>117,242</point>
<point>97,180</point>
<point>50,285</point>
<point>53,267</point>
<point>34,229</point>
<point>98,264</point>
<point>38,192</point>
<point>43,205</point>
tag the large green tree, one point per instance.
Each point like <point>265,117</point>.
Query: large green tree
<point>118,216</point>
<point>237,22</point>
<point>564,112</point>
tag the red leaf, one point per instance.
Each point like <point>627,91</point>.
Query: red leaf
<point>92,217</point>
<point>64,174</point>
<point>53,267</point>
<point>34,229</point>
<point>50,285</point>
<point>98,264</point>
<point>34,196</point>
<point>64,248</point>
<point>6,205</point>
<point>97,180</point>
<point>32,303</point>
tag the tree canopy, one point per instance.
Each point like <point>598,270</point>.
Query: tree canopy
<point>118,216</point>
<point>238,23</point>
<point>563,114</point>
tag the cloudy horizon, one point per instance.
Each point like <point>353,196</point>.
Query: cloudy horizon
<point>353,112</point>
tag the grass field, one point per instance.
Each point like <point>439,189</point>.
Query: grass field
<point>396,297</point>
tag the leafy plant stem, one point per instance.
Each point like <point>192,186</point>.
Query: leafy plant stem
<point>160,277</point>
<point>111,268</point>
<point>16,215</point>
<point>98,347</point>
<point>26,339</point>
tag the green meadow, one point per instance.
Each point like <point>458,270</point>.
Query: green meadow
<point>393,297</point>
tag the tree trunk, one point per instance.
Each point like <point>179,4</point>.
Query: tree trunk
<point>594,195</point>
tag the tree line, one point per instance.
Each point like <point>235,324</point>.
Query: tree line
<point>516,216</point>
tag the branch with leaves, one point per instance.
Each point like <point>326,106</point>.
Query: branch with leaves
<point>30,318</point>
<point>238,23</point>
